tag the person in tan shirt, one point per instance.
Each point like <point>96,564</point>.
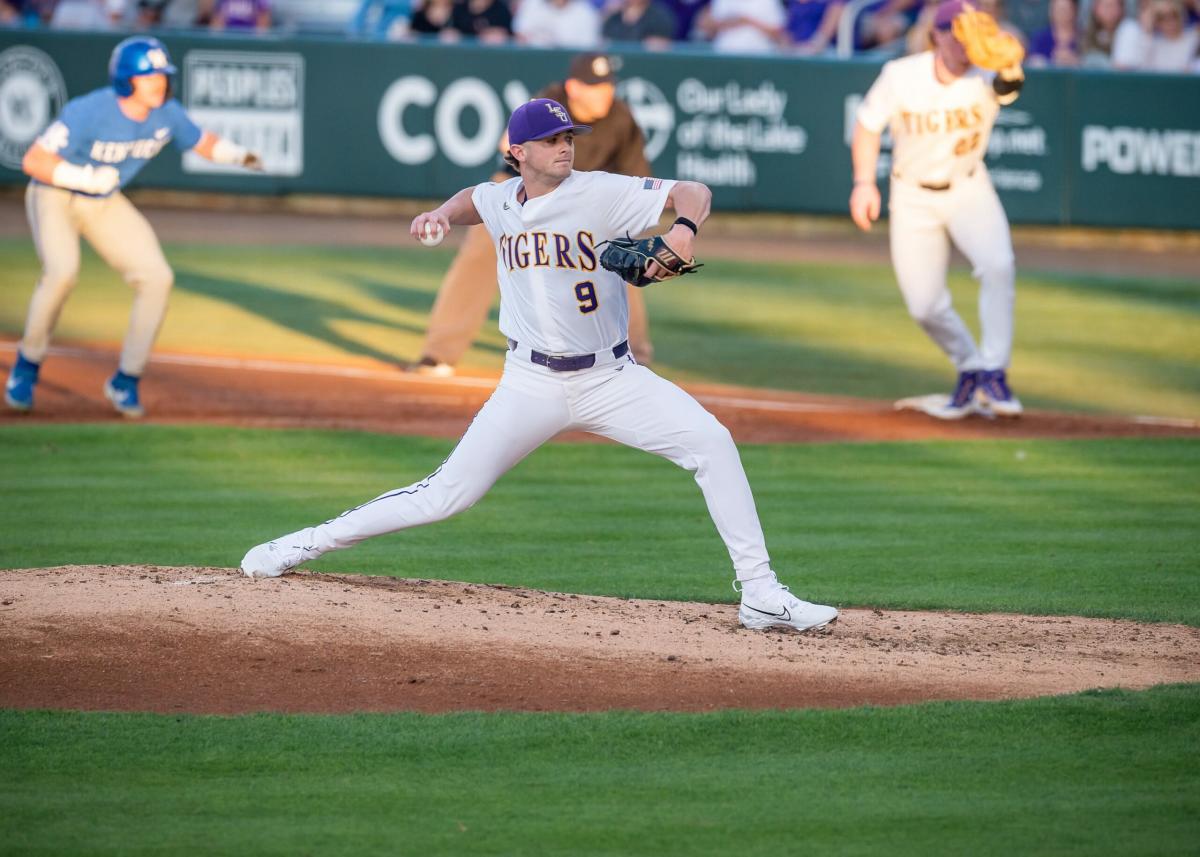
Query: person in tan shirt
<point>616,145</point>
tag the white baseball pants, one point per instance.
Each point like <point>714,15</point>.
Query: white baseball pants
<point>923,222</point>
<point>122,237</point>
<point>617,399</point>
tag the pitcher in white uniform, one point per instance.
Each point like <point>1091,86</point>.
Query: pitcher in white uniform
<point>941,110</point>
<point>568,367</point>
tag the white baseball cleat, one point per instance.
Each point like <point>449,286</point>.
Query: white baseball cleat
<point>778,608</point>
<point>277,558</point>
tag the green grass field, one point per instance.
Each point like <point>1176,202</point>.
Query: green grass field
<point>1102,528</point>
<point>1083,343</point>
<point>1099,773</point>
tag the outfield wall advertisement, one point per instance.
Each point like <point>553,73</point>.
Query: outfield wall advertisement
<point>766,134</point>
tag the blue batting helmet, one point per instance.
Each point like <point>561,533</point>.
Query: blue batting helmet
<point>137,56</point>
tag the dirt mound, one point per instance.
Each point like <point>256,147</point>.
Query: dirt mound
<point>209,640</point>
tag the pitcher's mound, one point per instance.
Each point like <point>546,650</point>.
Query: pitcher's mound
<point>209,640</point>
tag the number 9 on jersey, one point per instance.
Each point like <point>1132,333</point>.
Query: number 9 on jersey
<point>585,293</point>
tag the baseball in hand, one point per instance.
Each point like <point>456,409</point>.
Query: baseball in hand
<point>433,234</point>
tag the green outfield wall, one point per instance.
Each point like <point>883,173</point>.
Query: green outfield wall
<point>417,120</point>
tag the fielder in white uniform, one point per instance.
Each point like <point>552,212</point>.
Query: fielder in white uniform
<point>568,367</point>
<point>941,110</point>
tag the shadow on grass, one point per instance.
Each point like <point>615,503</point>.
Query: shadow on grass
<point>419,301</point>
<point>312,316</point>
<point>1175,294</point>
<point>733,354</point>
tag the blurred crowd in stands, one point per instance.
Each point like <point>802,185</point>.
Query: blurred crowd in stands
<point>1148,35</point>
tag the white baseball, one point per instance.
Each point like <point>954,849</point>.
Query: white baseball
<point>430,238</point>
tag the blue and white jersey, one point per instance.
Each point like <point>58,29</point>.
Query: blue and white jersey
<point>92,130</point>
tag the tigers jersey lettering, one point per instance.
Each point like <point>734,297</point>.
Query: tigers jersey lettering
<point>940,131</point>
<point>545,246</point>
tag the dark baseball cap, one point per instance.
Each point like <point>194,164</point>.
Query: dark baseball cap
<point>539,119</point>
<point>947,11</point>
<point>594,68</point>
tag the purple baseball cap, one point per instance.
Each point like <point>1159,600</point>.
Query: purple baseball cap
<point>947,11</point>
<point>539,119</point>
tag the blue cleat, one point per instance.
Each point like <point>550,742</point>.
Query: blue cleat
<point>962,400</point>
<point>994,392</point>
<point>122,391</point>
<point>18,392</point>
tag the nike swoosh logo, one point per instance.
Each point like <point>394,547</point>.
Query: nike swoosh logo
<point>11,384</point>
<point>506,206</point>
<point>786,615</point>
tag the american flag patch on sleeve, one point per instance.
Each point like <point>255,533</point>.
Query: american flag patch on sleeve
<point>652,184</point>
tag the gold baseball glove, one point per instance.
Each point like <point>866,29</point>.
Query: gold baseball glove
<point>987,45</point>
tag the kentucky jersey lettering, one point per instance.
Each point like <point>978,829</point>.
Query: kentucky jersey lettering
<point>93,130</point>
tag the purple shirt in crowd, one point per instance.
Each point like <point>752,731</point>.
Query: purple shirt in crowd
<point>242,14</point>
<point>1042,44</point>
<point>804,17</point>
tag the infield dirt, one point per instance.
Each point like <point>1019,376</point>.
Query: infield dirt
<point>372,396</point>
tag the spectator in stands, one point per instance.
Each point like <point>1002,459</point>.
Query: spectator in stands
<point>150,13</point>
<point>643,21</point>
<point>743,26</point>
<point>920,37</point>
<point>1103,19</point>
<point>1159,40</point>
<point>685,12</point>
<point>10,13</point>
<point>883,24</point>
<point>382,19</point>
<point>557,23</point>
<point>489,21</point>
<point>1059,43</point>
<point>1029,15</point>
<point>88,14</point>
<point>812,25</point>
<point>433,18</point>
<point>202,12</point>
<point>242,15</point>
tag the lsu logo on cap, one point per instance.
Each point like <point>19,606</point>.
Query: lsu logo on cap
<point>559,113</point>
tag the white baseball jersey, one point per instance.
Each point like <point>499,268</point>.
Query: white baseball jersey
<point>940,130</point>
<point>554,296</point>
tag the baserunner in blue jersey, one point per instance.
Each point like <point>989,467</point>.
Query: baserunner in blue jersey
<point>79,164</point>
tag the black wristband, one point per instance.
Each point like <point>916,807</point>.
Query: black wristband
<point>683,221</point>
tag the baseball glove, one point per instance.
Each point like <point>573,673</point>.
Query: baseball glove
<point>987,45</point>
<point>629,257</point>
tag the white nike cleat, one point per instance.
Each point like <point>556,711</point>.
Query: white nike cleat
<point>277,558</point>
<point>778,608</point>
